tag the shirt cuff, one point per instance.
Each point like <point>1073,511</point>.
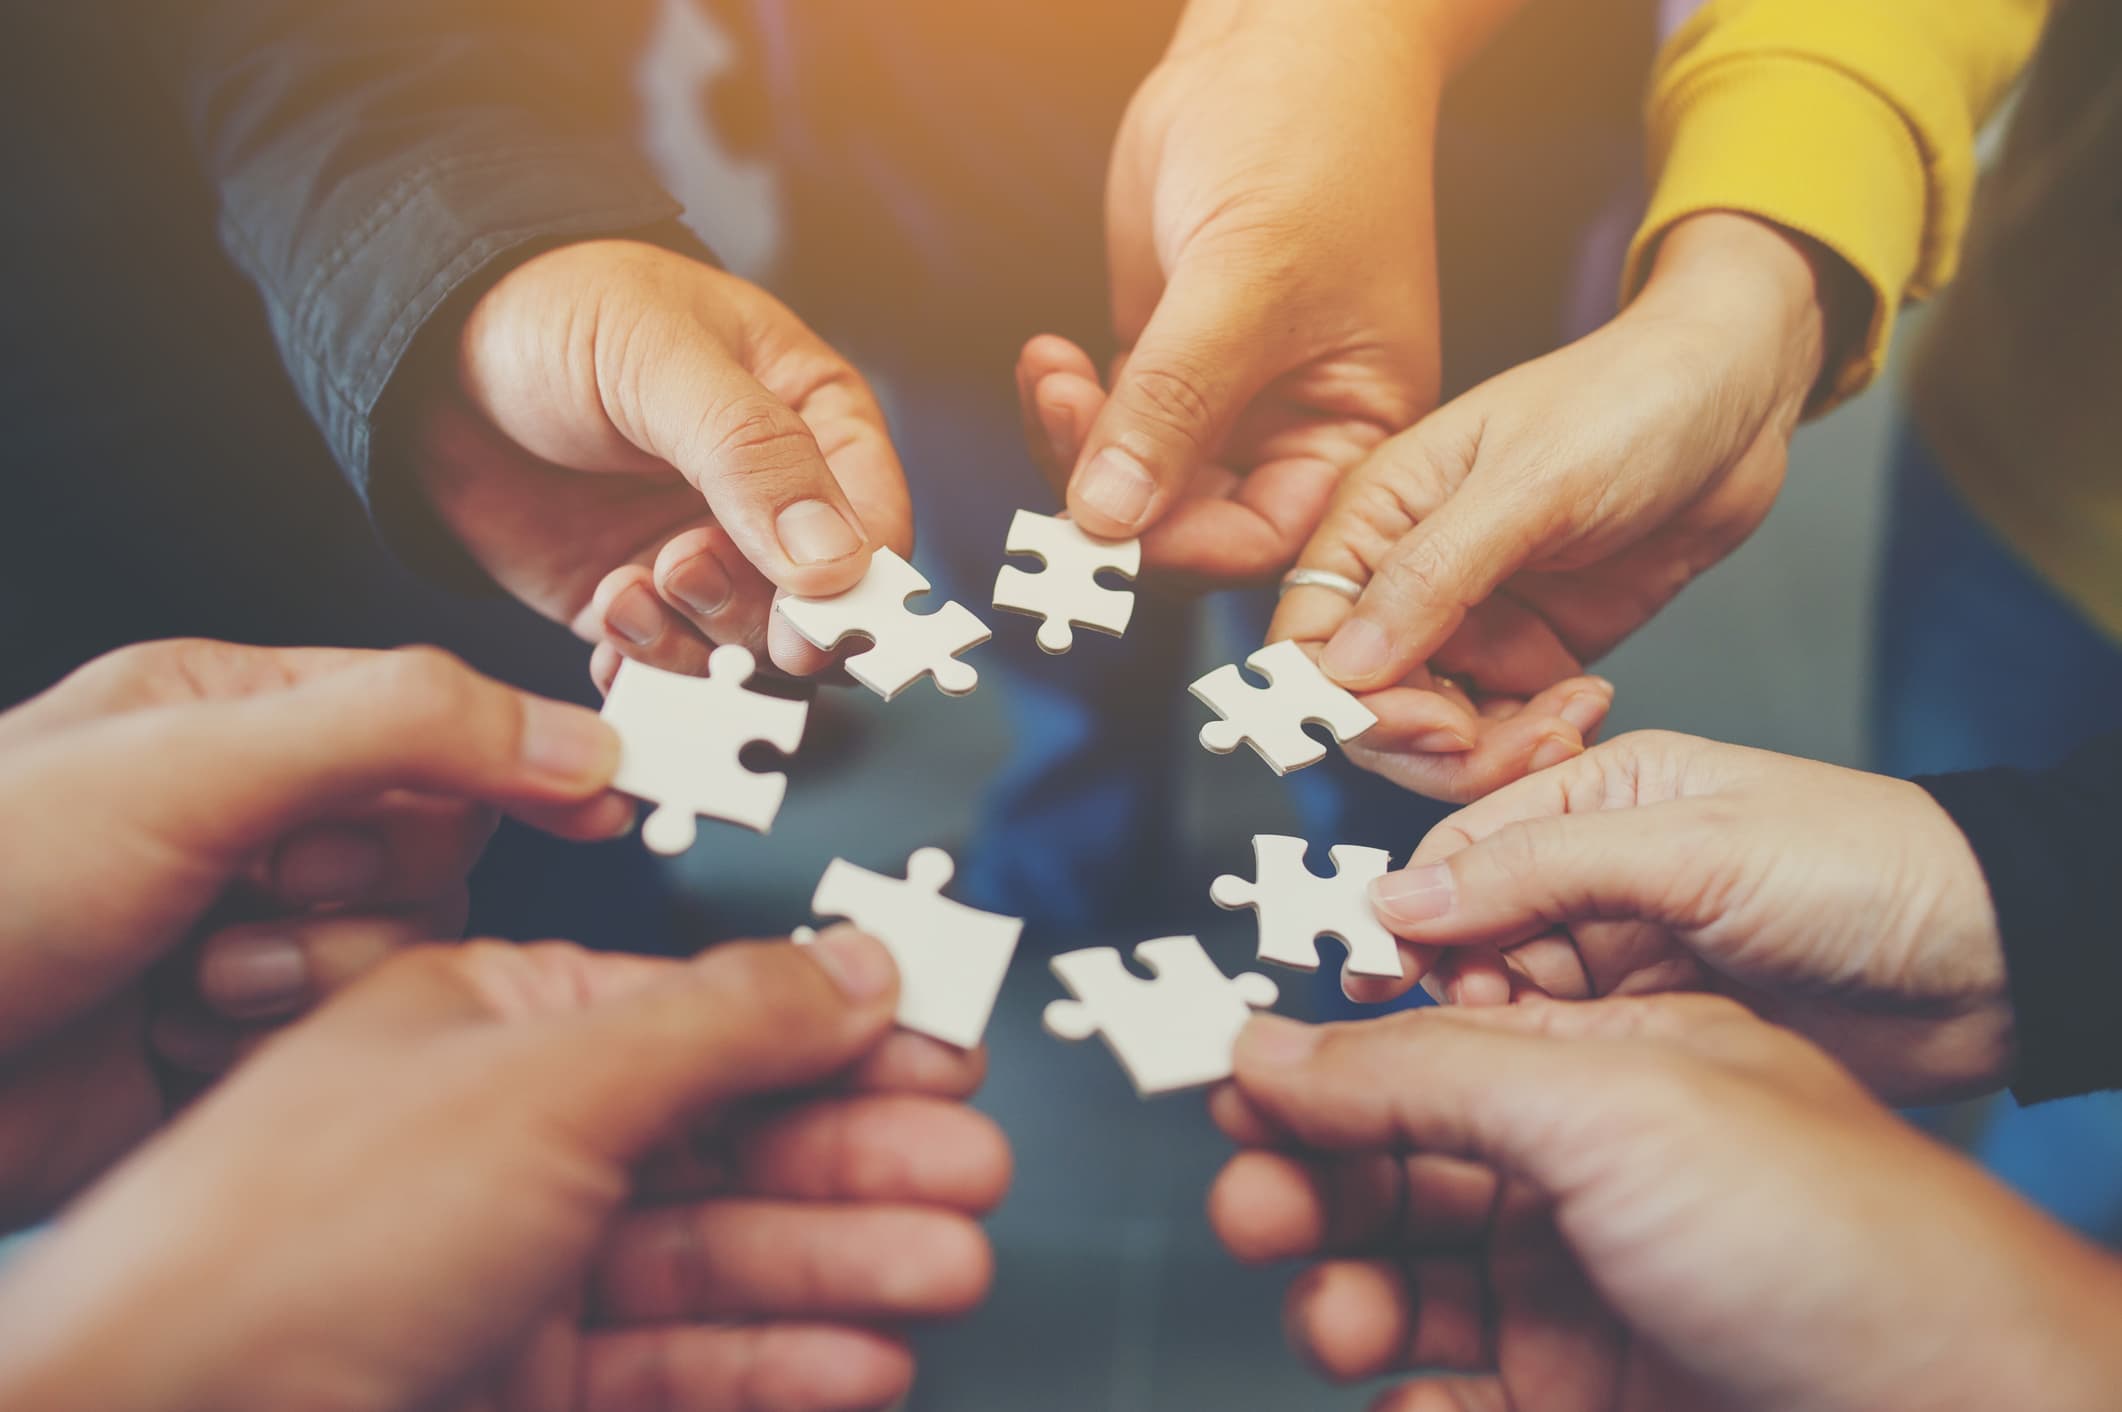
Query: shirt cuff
<point>2047,847</point>
<point>441,227</point>
<point>1797,142</point>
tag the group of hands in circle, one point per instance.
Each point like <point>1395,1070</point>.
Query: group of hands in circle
<point>496,1177</point>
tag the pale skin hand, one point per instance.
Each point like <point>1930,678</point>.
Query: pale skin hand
<point>1445,746</point>
<point>543,1180</point>
<point>338,797</point>
<point>1528,526</point>
<point>1273,285</point>
<point>648,449</point>
<point>1640,1205</point>
<point>1844,904</point>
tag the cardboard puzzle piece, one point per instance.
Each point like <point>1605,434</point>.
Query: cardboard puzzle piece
<point>1174,1032</point>
<point>679,738</point>
<point>1271,719</point>
<point>906,645</point>
<point>951,957</point>
<point>1296,906</point>
<point>1066,593</point>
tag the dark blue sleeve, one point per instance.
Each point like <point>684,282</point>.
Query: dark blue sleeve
<point>2050,845</point>
<point>377,159</point>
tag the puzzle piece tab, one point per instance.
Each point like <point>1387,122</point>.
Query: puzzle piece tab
<point>679,738</point>
<point>1174,1032</point>
<point>1067,592</point>
<point>1297,906</point>
<point>1271,719</point>
<point>905,645</point>
<point>951,957</point>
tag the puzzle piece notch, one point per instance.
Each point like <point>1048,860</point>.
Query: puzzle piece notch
<point>951,957</point>
<point>1174,1032</point>
<point>904,645</point>
<point>1296,906</point>
<point>680,738</point>
<point>1066,592</point>
<point>1271,719</point>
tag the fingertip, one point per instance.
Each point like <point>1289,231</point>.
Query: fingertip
<point>827,549</point>
<point>857,964</point>
<point>1113,493</point>
<point>1359,654</point>
<point>1270,1044</point>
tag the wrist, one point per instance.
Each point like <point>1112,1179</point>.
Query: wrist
<point>1424,39</point>
<point>1771,289</point>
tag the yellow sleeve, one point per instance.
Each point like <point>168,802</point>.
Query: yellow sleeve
<point>1849,121</point>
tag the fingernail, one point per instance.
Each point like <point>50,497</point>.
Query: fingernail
<point>339,865</point>
<point>1587,709</point>
<point>636,615</point>
<point>1117,485</point>
<point>1277,1041</point>
<point>1357,651</point>
<point>1554,751</point>
<point>701,584</point>
<point>1414,894</point>
<point>862,968</point>
<point>1060,430</point>
<point>813,532</point>
<point>1445,740</point>
<point>248,977</point>
<point>566,743</point>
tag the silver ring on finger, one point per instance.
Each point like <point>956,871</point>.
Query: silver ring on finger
<point>1323,578</point>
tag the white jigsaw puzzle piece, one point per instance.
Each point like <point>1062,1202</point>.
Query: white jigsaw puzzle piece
<point>1296,906</point>
<point>1066,593</point>
<point>1271,719</point>
<point>906,645</point>
<point>951,957</point>
<point>679,739</point>
<point>1171,1033</point>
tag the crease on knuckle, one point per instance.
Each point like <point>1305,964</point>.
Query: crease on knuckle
<point>755,437</point>
<point>1173,396</point>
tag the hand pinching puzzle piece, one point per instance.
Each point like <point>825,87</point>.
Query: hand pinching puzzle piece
<point>1271,719</point>
<point>905,645</point>
<point>1297,906</point>
<point>1174,1032</point>
<point>679,738</point>
<point>1067,593</point>
<point>951,957</point>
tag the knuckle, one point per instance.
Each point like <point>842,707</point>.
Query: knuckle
<point>1172,396</point>
<point>756,437</point>
<point>1416,573</point>
<point>426,686</point>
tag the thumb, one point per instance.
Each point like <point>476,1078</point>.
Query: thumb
<point>1453,558</point>
<point>1652,863</point>
<point>1210,347</point>
<point>1483,1085</point>
<point>1533,1088</point>
<point>686,400</point>
<point>680,1039</point>
<point>224,778</point>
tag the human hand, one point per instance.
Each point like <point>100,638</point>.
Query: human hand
<point>493,1230</point>
<point>646,448</point>
<point>1525,528</point>
<point>1640,1204</point>
<point>1273,285</point>
<point>333,800</point>
<point>1846,905</point>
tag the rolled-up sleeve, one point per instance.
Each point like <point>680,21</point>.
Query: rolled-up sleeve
<point>1849,121</point>
<point>373,159</point>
